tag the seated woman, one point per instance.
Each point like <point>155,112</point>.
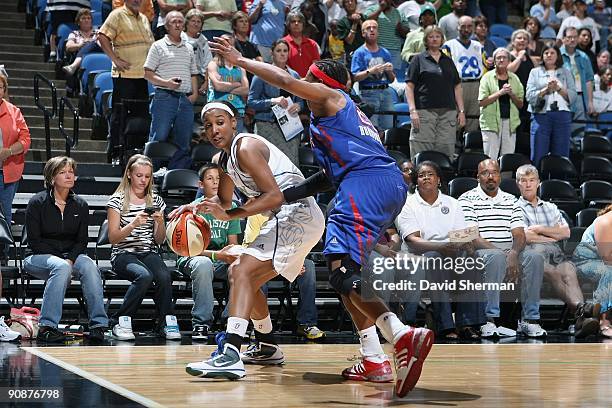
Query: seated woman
<point>135,227</point>
<point>82,41</point>
<point>593,258</point>
<point>56,223</point>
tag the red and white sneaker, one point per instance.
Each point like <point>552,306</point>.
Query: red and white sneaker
<point>367,370</point>
<point>411,350</point>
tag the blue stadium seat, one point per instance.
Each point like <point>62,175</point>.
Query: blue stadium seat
<point>498,41</point>
<point>63,31</point>
<point>96,5</point>
<point>501,30</point>
<point>103,83</point>
<point>96,18</point>
<point>605,117</point>
<point>402,120</point>
<point>91,65</point>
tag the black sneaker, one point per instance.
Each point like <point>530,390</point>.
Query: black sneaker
<point>50,335</point>
<point>200,332</point>
<point>96,334</point>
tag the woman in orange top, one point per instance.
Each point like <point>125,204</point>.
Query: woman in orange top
<point>15,137</point>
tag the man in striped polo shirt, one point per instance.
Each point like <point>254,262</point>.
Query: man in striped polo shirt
<point>171,68</point>
<point>502,246</point>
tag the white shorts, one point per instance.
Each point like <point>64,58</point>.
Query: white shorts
<point>288,236</point>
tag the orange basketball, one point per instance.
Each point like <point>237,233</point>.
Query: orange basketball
<point>188,234</point>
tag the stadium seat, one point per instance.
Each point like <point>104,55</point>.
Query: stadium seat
<point>202,153</point>
<point>180,185</point>
<point>103,82</point>
<point>460,185</point>
<point>585,217</point>
<point>569,245</point>
<point>467,163</point>
<point>499,41</point>
<point>501,30</point>
<point>569,220</point>
<point>308,164</point>
<point>96,18</point>
<point>509,162</point>
<point>401,120</point>
<point>159,152</point>
<point>596,168</point>
<point>91,65</point>
<point>558,167</point>
<point>596,193</point>
<point>63,31</point>
<point>440,159</point>
<point>596,146</point>
<point>398,139</point>
<point>398,156</point>
<point>561,193</point>
<point>605,117</point>
<point>472,141</point>
<point>509,186</point>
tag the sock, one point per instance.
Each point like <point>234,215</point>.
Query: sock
<point>391,327</point>
<point>263,330</point>
<point>370,345</point>
<point>236,330</point>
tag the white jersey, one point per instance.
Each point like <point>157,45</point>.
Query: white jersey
<point>468,60</point>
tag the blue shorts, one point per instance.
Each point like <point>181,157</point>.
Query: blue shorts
<point>365,206</point>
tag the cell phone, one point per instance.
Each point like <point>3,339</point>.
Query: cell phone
<point>178,80</point>
<point>151,210</point>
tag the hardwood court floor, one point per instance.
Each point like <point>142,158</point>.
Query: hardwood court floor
<point>488,375</point>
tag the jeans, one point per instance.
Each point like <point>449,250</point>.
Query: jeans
<point>550,133</point>
<point>307,283</point>
<point>57,272</point>
<point>7,194</point>
<point>202,271</point>
<point>142,269</point>
<point>532,266</point>
<point>381,100</point>
<point>89,49</point>
<point>171,111</point>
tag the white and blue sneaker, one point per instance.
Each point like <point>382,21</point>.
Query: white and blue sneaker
<point>171,330</point>
<point>263,354</point>
<point>224,365</point>
<point>530,328</point>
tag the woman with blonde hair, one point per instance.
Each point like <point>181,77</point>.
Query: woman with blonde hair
<point>136,227</point>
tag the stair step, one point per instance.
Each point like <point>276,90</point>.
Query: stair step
<point>28,82</point>
<point>22,32</point>
<point>19,44</point>
<point>59,144</point>
<point>28,91</point>
<point>81,156</point>
<point>12,23</point>
<point>16,64</point>
<point>12,12</point>
<point>39,121</point>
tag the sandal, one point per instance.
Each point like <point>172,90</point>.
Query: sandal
<point>469,333</point>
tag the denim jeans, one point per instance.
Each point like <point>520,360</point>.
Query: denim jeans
<point>202,271</point>
<point>381,100</point>
<point>7,194</point>
<point>57,272</point>
<point>171,112</point>
<point>142,269</point>
<point>532,272</point>
<point>307,283</point>
<point>550,133</point>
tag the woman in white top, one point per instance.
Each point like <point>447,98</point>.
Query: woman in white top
<point>602,95</point>
<point>135,227</point>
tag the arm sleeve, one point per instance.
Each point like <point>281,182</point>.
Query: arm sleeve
<point>80,246</point>
<point>406,221</point>
<point>152,61</point>
<point>316,183</point>
<point>257,99</point>
<point>33,223</point>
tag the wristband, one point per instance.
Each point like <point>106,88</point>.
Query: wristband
<point>212,255</point>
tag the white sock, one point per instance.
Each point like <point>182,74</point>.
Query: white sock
<point>238,326</point>
<point>370,345</point>
<point>391,327</point>
<point>264,325</point>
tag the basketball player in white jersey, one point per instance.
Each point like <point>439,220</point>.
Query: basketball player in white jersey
<point>260,171</point>
<point>470,61</point>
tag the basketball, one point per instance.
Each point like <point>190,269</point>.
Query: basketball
<point>188,234</point>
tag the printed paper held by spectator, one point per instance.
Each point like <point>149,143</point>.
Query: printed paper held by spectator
<point>290,125</point>
<point>467,234</point>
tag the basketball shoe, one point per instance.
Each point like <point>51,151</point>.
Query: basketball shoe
<point>411,350</point>
<point>224,365</point>
<point>366,370</point>
<point>6,334</point>
<point>263,354</point>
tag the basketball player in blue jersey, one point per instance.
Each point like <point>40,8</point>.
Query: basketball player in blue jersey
<point>370,194</point>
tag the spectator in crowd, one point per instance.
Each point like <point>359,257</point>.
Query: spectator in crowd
<point>82,41</point>
<point>262,96</point>
<point>165,7</point>
<point>62,12</point>
<point>414,39</point>
<point>566,10</point>
<point>392,29</point>
<point>318,16</point>
<point>425,223</point>
<point>267,18</point>
<point>146,7</point>
<point>433,93</point>
<point>310,28</point>
<point>228,83</point>
<point>126,38</point>
<point>411,11</point>
<point>532,26</point>
<point>241,27</point>
<point>500,97</point>
<point>15,138</point>
<point>602,96</point>
<point>593,260</point>
<point>335,45</point>
<point>407,168</point>
<point>579,20</point>
<point>469,58</point>
<point>349,29</point>
<point>550,94</point>
<point>135,227</point>
<point>602,14</point>
<point>171,68</point>
<point>213,262</point>
<point>545,228</point>
<point>576,62</point>
<point>335,11</point>
<point>481,34</point>
<point>544,12</point>
<point>502,246</point>
<point>521,63</point>
<point>194,37</point>
<point>373,68</point>
<point>495,11</point>
<point>450,22</point>
<point>585,42</point>
<point>57,222</point>
<point>217,16</point>
<point>303,51</point>
<point>603,60</point>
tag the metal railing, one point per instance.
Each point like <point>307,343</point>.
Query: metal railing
<point>48,114</point>
<point>71,141</point>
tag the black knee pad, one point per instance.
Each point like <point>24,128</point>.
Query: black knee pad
<point>347,277</point>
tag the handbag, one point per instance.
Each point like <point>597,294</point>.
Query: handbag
<point>24,320</point>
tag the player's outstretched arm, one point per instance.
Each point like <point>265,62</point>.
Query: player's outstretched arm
<point>273,75</point>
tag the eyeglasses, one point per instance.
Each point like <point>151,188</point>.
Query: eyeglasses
<point>488,173</point>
